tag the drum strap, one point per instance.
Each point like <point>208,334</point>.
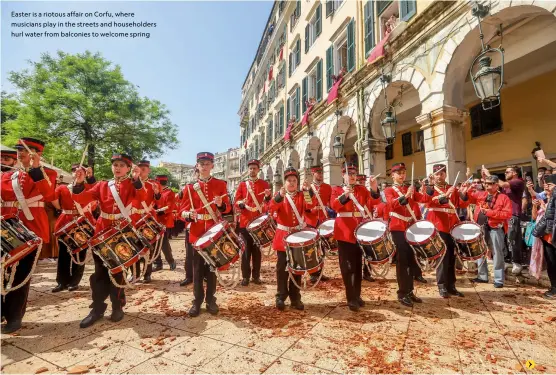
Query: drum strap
<point>21,197</point>
<point>211,212</point>
<point>295,211</point>
<point>124,210</point>
<point>449,200</point>
<point>77,205</point>
<point>320,200</point>
<point>250,190</point>
<point>358,205</point>
<point>408,205</point>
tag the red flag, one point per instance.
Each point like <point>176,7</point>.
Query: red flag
<point>305,119</point>
<point>333,94</point>
<point>378,52</point>
<point>281,53</point>
<point>270,73</point>
<point>289,129</point>
<point>245,144</point>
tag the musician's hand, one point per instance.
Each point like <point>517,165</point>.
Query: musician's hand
<point>79,176</point>
<point>282,191</point>
<point>451,191</point>
<point>373,183</point>
<point>218,201</point>
<point>156,189</point>
<point>468,173</point>
<point>135,172</point>
<point>267,192</point>
<point>89,172</point>
<point>348,190</point>
<point>306,185</point>
<point>410,191</point>
<point>436,198</point>
<point>193,215</point>
<point>35,160</point>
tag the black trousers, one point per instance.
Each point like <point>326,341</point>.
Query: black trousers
<point>351,261</point>
<point>446,271</point>
<point>102,287</point>
<point>550,256</point>
<point>14,304</point>
<point>366,269</point>
<point>285,287</point>
<point>63,276</point>
<point>201,269</point>
<point>188,257</point>
<point>166,250</point>
<point>406,266</point>
<point>515,239</point>
<point>252,252</point>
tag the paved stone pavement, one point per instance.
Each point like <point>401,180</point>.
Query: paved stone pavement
<point>488,331</point>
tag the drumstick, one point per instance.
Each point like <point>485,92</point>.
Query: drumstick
<point>412,169</point>
<point>456,180</point>
<point>440,170</point>
<point>34,153</point>
<point>83,156</point>
<point>209,203</point>
<point>7,166</point>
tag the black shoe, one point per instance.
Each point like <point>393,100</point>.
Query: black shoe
<point>71,288</point>
<point>11,327</point>
<point>480,281</point>
<point>212,308</point>
<point>324,278</point>
<point>173,266</point>
<point>498,285</point>
<point>421,279</point>
<point>90,319</point>
<point>369,278</point>
<point>280,305</point>
<point>298,305</point>
<point>455,292</point>
<point>414,298</point>
<point>147,279</point>
<point>186,282</point>
<point>194,311</point>
<point>550,294</point>
<point>157,268</point>
<point>360,302</point>
<point>257,281</point>
<point>406,301</point>
<point>117,315</point>
<point>443,293</point>
<point>353,306</point>
<point>245,282</point>
<point>59,288</point>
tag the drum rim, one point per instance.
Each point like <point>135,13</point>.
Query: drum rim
<point>435,231</point>
<point>308,242</point>
<point>261,224</point>
<point>30,245</point>
<point>309,270</point>
<point>333,227</point>
<point>374,241</point>
<point>58,233</point>
<point>466,241</point>
<point>116,227</point>
<point>216,237</point>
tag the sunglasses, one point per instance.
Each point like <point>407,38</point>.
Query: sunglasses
<point>489,183</point>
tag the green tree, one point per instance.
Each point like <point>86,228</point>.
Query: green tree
<point>72,101</point>
<point>9,111</point>
<point>173,183</point>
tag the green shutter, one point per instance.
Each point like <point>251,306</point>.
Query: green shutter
<point>329,8</point>
<point>307,38</point>
<point>319,81</point>
<point>298,9</point>
<point>297,109</point>
<point>281,119</point>
<point>290,64</point>
<point>329,67</point>
<point>319,20</point>
<point>304,97</point>
<point>288,110</point>
<point>298,49</point>
<point>369,26</point>
<point>408,9</point>
<point>351,45</point>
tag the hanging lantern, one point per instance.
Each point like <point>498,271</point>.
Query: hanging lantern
<point>338,147</point>
<point>389,123</point>
<point>277,178</point>
<point>309,160</point>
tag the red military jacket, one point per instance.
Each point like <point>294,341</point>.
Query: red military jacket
<point>69,209</point>
<point>35,188</point>
<point>396,207</point>
<point>315,216</point>
<point>250,211</point>
<point>167,199</point>
<point>443,221</point>
<point>381,211</point>
<point>285,215</point>
<point>128,191</point>
<point>138,210</point>
<point>211,188</point>
<point>344,227</point>
<point>498,211</point>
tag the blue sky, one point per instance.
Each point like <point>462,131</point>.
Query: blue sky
<point>194,62</point>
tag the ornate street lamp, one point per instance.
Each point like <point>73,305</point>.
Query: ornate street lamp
<point>388,119</point>
<point>338,145</point>
<point>309,160</point>
<point>487,81</point>
<point>277,177</point>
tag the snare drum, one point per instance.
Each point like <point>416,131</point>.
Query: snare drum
<point>220,246</point>
<point>76,234</point>
<point>119,246</point>
<point>262,229</point>
<point>374,239</point>
<point>326,233</point>
<point>17,240</point>
<point>426,242</point>
<point>469,239</point>
<point>304,251</point>
<point>151,229</point>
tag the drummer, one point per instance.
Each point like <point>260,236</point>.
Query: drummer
<point>401,199</point>
<point>319,214</point>
<point>202,205</point>
<point>165,206</point>
<point>128,189</point>
<point>362,180</point>
<point>289,219</point>
<point>251,198</point>
<point>442,213</point>
<point>69,273</point>
<point>352,202</point>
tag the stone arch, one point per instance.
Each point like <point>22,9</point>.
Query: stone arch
<point>268,175</point>
<point>314,146</point>
<point>293,158</point>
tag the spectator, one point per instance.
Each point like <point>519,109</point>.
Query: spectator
<point>540,176</point>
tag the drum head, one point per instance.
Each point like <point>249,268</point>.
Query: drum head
<point>420,231</point>
<point>209,235</point>
<point>302,237</point>
<point>371,231</point>
<point>466,231</point>
<point>257,221</point>
<point>326,228</point>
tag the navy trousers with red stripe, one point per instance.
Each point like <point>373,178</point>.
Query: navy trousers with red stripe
<point>14,303</point>
<point>102,287</point>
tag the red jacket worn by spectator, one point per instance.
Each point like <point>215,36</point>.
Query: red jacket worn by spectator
<point>498,210</point>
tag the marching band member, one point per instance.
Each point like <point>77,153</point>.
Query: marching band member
<point>442,213</point>
<point>251,203</point>
<point>198,207</point>
<point>128,190</point>
<point>70,211</point>
<point>361,180</point>
<point>166,203</point>
<point>23,193</point>
<point>320,213</point>
<point>288,218</point>
<point>400,200</point>
<point>351,201</point>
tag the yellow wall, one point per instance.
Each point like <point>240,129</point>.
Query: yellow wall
<point>417,157</point>
<point>527,116</point>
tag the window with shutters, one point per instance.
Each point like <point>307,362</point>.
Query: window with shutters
<point>281,7</point>
<point>277,125</point>
<point>407,146</point>
<point>281,78</point>
<point>295,56</point>
<point>312,84</point>
<point>281,120</point>
<point>294,106</point>
<point>340,54</point>
<point>295,15</point>
<point>313,28</point>
<point>369,16</point>
<point>269,132</point>
<point>484,122</point>
<point>390,152</point>
<point>419,141</point>
<point>332,6</point>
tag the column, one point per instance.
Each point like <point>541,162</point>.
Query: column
<point>332,171</point>
<point>374,157</point>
